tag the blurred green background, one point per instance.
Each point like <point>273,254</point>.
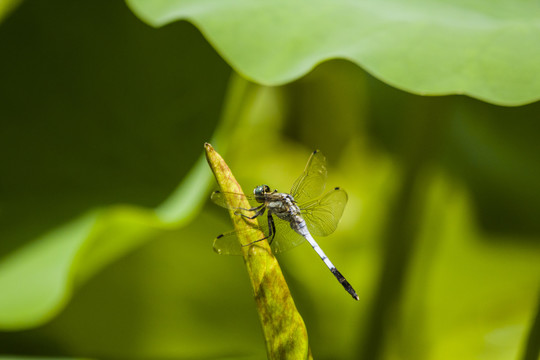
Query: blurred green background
<point>102,117</point>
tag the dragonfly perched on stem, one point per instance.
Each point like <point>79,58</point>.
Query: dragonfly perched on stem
<point>300,213</point>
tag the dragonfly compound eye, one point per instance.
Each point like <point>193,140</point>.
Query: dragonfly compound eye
<point>259,190</point>
<point>260,193</point>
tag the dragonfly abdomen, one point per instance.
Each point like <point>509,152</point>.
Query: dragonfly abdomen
<point>302,230</point>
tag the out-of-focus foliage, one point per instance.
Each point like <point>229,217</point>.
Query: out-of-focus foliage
<point>487,49</point>
<point>440,236</point>
<point>7,6</point>
<point>72,113</point>
<point>40,276</point>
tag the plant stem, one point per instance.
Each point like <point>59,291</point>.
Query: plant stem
<point>283,327</point>
<point>532,347</point>
<point>404,219</point>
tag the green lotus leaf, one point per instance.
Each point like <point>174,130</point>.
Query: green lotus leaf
<point>485,49</point>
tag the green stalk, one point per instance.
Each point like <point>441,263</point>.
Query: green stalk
<point>532,345</point>
<point>284,329</point>
<point>405,215</point>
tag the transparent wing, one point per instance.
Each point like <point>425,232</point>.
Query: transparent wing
<point>322,216</point>
<point>229,244</point>
<point>311,183</point>
<point>285,239</point>
<point>226,199</point>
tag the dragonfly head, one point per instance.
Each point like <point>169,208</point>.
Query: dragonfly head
<point>260,193</point>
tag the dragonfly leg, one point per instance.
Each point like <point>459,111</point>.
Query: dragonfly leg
<point>271,232</point>
<point>256,241</point>
<point>252,209</point>
<point>271,229</point>
<point>260,211</point>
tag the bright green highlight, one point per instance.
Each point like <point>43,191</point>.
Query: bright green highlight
<point>7,6</point>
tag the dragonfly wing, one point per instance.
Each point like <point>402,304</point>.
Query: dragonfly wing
<point>322,216</point>
<point>286,238</point>
<point>229,243</point>
<point>312,181</point>
<point>227,199</point>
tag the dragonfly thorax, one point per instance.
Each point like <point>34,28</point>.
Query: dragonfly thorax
<point>283,206</point>
<point>280,204</point>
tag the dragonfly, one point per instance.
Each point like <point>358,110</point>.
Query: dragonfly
<point>291,218</point>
